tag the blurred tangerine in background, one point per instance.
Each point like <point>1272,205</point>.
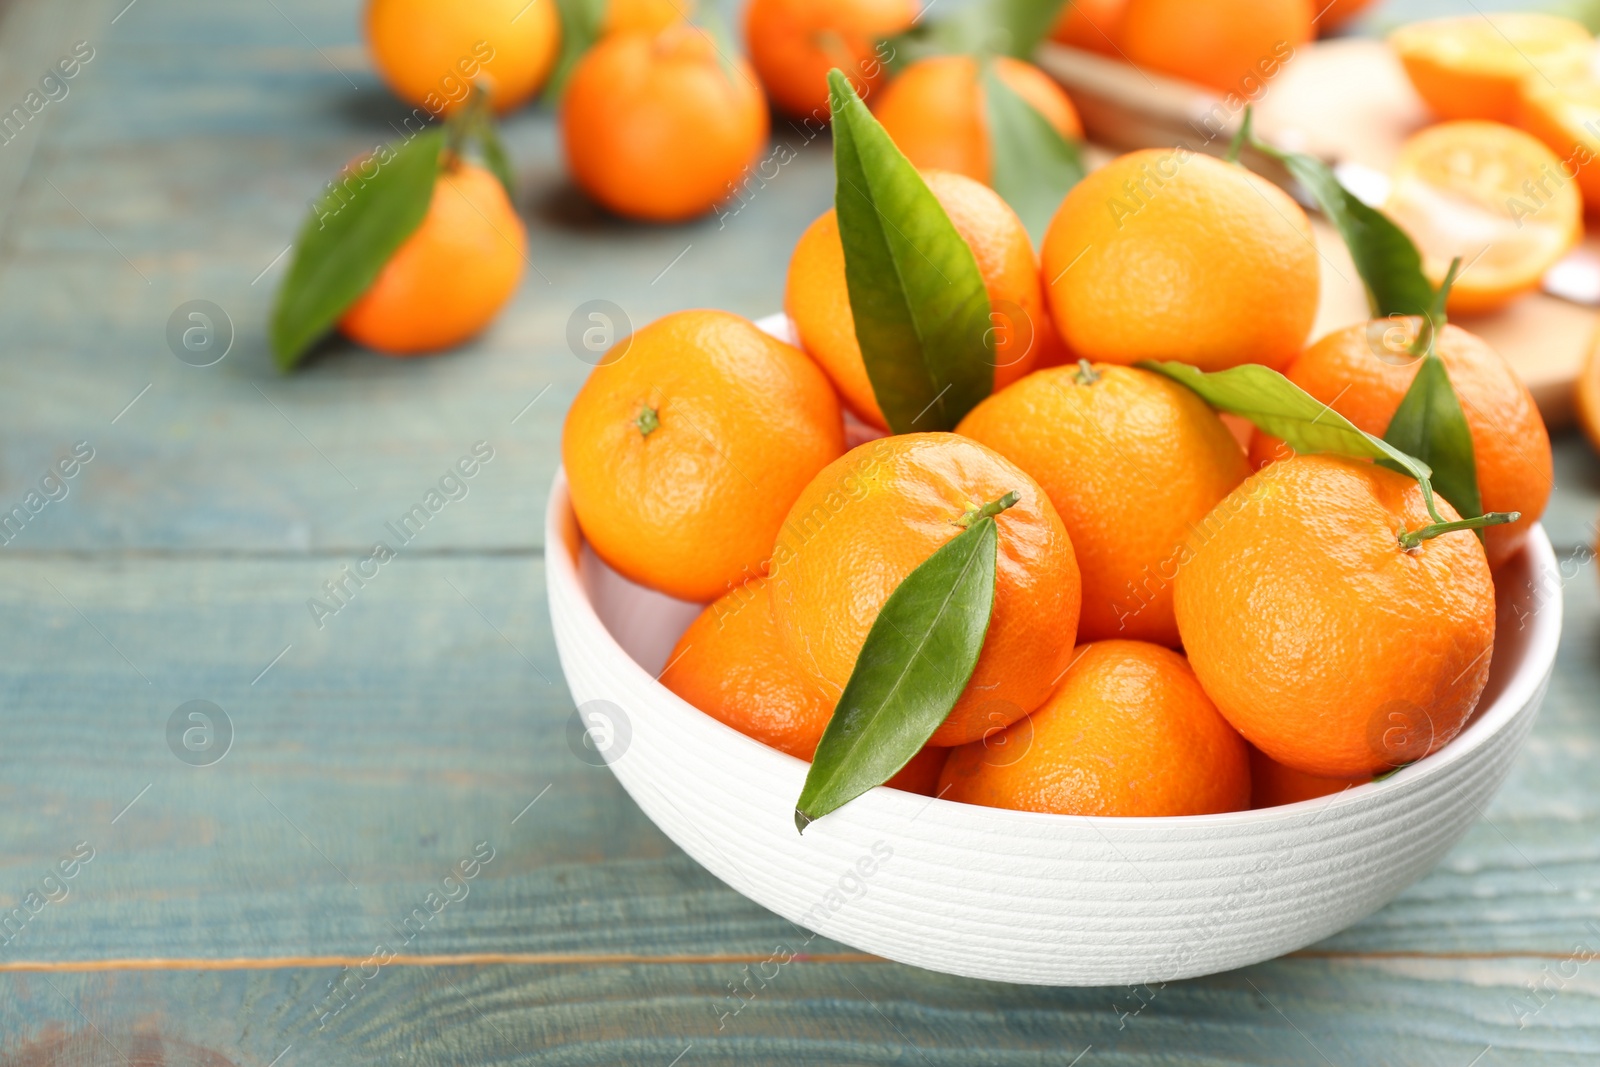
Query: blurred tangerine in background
<point>451,276</point>
<point>431,54</point>
<point>934,111</point>
<point>660,126</point>
<point>1234,46</point>
<point>794,43</point>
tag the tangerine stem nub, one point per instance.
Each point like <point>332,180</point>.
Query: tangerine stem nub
<point>989,510</point>
<point>647,421</point>
<point>1410,539</point>
<point>1086,374</point>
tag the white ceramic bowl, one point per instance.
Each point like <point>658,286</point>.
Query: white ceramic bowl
<point>1020,896</point>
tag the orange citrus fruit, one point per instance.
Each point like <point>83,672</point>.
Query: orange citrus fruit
<point>1092,25</point>
<point>1235,46</point>
<point>644,16</point>
<point>1322,638</point>
<point>921,774</point>
<point>794,43</point>
<point>1363,372</point>
<point>1566,117</point>
<point>1492,195</point>
<point>1587,396</point>
<point>661,126</point>
<point>1128,732</point>
<point>878,512</point>
<point>449,278</point>
<point>1272,784</point>
<point>1168,254</point>
<point>818,300</point>
<point>685,448</point>
<point>934,111</point>
<point>730,665</point>
<point>1474,66</point>
<point>431,54</point>
<point>1131,460</point>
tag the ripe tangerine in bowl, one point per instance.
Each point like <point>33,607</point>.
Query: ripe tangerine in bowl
<point>1020,896</point>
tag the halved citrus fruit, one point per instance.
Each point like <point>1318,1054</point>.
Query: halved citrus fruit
<point>1473,66</point>
<point>1492,195</point>
<point>1565,115</point>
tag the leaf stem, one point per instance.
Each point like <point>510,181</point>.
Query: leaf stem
<point>462,124</point>
<point>647,421</point>
<point>1411,539</point>
<point>1086,374</point>
<point>1241,135</point>
<point>989,510</point>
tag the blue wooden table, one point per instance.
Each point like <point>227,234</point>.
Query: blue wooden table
<point>276,888</point>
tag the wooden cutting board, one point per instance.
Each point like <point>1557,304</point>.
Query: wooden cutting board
<point>1344,100</point>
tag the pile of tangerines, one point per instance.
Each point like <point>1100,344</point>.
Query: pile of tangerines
<point>661,119</point>
<point>1185,619</point>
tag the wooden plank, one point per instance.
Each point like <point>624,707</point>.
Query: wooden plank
<point>193,194</point>
<point>1302,1011</point>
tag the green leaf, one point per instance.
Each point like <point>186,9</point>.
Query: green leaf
<point>1025,23</point>
<point>920,307</point>
<point>917,658</point>
<point>581,23</point>
<point>1387,260</point>
<point>495,158</point>
<point>1033,166</point>
<point>1429,422</point>
<point>711,22</point>
<point>1281,408</point>
<point>1430,425</point>
<point>984,28</point>
<point>354,228</point>
<point>474,126</point>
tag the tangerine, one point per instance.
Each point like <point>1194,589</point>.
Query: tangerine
<point>794,43</point>
<point>873,516</point>
<point>1272,784</point>
<point>447,281</point>
<point>1131,460</point>
<point>1234,46</point>
<point>1475,66</point>
<point>1168,254</point>
<point>1321,636</point>
<point>688,443</point>
<point>1492,195</point>
<point>1363,371</point>
<point>431,54</point>
<point>818,300</point>
<point>660,126</point>
<point>934,111</point>
<point>1129,732</point>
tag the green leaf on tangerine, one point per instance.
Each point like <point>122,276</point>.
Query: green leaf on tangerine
<point>1388,262</point>
<point>1032,165</point>
<point>920,307</point>
<point>1430,424</point>
<point>1281,408</point>
<point>581,24</point>
<point>917,659</point>
<point>354,228</point>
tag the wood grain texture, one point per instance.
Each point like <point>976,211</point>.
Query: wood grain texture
<point>421,719</point>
